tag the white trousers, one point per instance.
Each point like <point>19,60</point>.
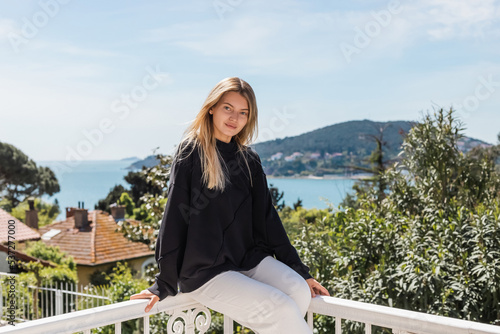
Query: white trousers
<point>270,298</point>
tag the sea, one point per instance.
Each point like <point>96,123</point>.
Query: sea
<point>89,181</point>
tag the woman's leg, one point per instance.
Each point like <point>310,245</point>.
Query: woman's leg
<point>254,304</point>
<point>277,274</point>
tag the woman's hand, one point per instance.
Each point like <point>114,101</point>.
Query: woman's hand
<point>316,288</point>
<point>146,294</point>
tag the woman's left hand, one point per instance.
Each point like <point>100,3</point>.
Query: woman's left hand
<point>316,288</point>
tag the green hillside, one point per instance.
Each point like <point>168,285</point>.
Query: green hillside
<point>348,137</point>
<point>334,148</point>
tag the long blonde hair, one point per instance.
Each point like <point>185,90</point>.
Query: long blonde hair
<point>200,134</point>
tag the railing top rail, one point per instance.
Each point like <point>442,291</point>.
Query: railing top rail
<point>97,316</point>
<point>390,317</point>
<point>413,322</point>
<point>69,292</point>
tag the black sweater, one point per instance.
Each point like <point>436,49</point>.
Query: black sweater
<point>205,232</point>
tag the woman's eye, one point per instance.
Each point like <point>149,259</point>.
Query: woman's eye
<point>243,113</point>
<point>227,108</point>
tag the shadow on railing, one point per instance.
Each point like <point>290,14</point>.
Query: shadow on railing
<point>187,316</point>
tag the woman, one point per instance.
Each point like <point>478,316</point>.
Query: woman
<point>221,239</point>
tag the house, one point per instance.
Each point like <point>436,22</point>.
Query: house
<point>315,155</point>
<point>276,156</point>
<point>294,156</point>
<point>95,243</point>
<point>20,256</point>
<point>18,232</point>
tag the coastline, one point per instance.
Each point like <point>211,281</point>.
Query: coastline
<point>324,177</point>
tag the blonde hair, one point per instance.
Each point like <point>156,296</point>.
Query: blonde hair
<point>200,134</point>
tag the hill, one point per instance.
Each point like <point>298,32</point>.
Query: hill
<point>351,137</point>
<point>329,150</point>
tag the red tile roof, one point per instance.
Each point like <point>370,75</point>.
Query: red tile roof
<point>102,243</point>
<point>22,231</point>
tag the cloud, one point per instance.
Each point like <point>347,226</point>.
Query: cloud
<point>7,26</point>
<point>448,19</point>
<point>84,52</point>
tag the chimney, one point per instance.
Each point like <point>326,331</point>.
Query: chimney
<point>117,211</point>
<point>31,214</point>
<point>81,218</point>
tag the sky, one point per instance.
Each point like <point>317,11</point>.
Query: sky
<point>106,80</point>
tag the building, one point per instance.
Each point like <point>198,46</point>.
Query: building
<point>19,232</point>
<point>93,239</point>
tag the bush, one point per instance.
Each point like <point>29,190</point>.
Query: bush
<point>431,245</point>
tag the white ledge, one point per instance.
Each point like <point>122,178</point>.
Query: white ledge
<point>394,318</point>
<point>397,319</point>
<point>98,316</point>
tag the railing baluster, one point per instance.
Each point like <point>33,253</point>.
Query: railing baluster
<point>228,325</point>
<point>338,325</point>
<point>66,304</point>
<point>146,324</point>
<point>310,320</point>
<point>50,299</point>
<point>28,308</point>
<point>118,328</point>
<point>1,300</point>
<point>368,328</point>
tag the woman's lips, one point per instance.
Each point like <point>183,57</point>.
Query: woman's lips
<point>231,126</point>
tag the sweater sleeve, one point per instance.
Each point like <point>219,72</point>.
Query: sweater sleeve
<point>171,240</point>
<point>268,228</point>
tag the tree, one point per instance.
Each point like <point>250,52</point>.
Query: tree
<point>297,204</point>
<point>277,197</point>
<point>491,154</point>
<point>47,212</point>
<point>433,243</point>
<point>113,197</point>
<point>139,186</point>
<point>126,201</point>
<point>433,165</point>
<point>375,185</point>
<point>150,213</point>
<point>21,178</point>
<point>36,274</point>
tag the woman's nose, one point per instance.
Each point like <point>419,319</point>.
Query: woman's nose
<point>234,115</point>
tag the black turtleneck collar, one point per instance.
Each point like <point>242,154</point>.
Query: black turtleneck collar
<point>226,147</point>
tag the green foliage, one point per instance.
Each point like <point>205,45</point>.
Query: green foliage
<point>122,285</point>
<point>112,197</point>
<point>128,203</point>
<point>47,212</point>
<point>139,185</point>
<point>277,198</point>
<point>101,278</point>
<point>21,178</point>
<point>431,245</point>
<point>297,204</point>
<point>36,274</point>
<point>150,213</point>
<point>63,272</point>
<point>53,254</point>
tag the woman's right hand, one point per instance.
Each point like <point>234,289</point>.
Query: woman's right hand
<point>146,294</point>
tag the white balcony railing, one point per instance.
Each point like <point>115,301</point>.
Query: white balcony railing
<point>190,317</point>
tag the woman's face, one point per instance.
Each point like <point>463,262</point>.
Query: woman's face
<point>230,115</point>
